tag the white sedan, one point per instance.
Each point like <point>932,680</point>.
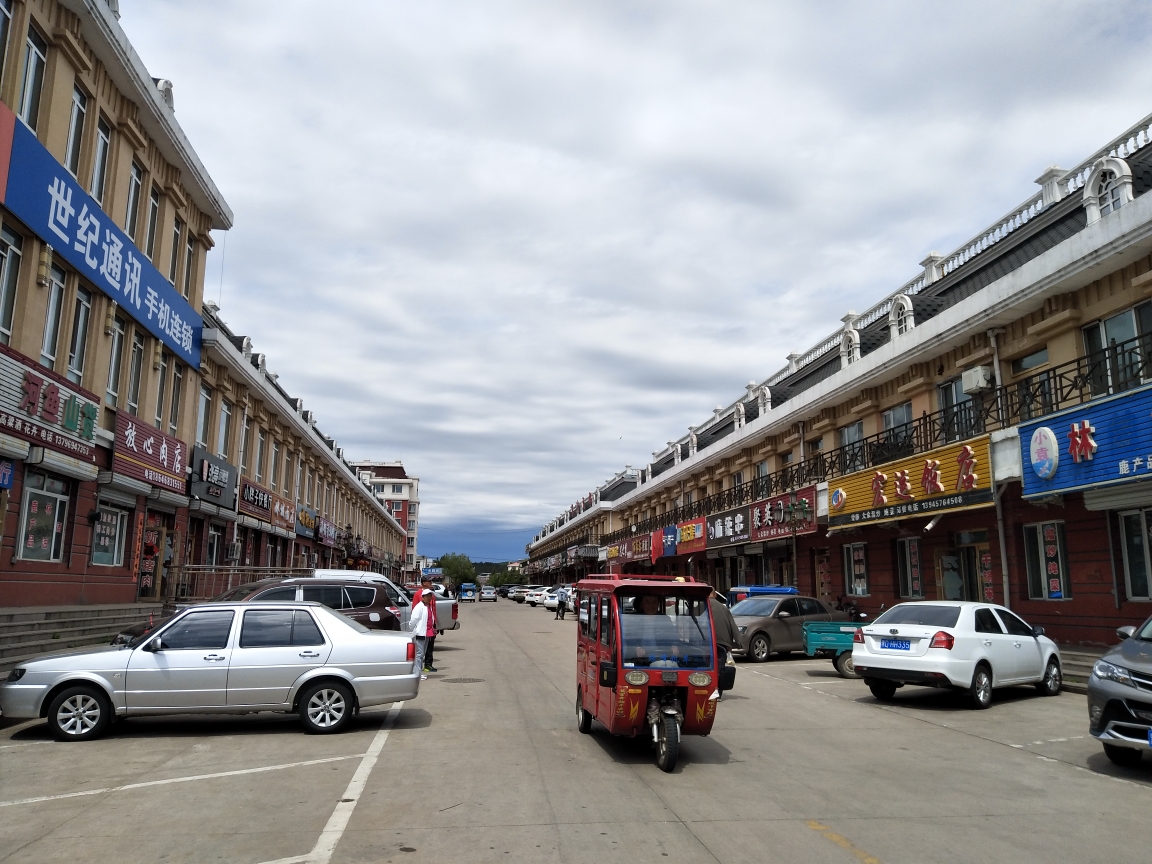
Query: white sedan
<point>971,646</point>
<point>535,598</point>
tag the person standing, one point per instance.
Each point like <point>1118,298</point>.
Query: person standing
<point>426,588</point>
<point>727,634</point>
<point>561,603</point>
<point>419,622</point>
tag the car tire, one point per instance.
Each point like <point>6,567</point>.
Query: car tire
<point>981,687</point>
<point>583,718</point>
<point>845,665</point>
<point>79,713</point>
<point>326,707</point>
<point>759,648</point>
<point>1125,756</point>
<point>1051,683</point>
<point>667,744</point>
<point>882,690</point>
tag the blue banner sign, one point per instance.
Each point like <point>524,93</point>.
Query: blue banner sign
<point>431,571</point>
<point>1100,443</point>
<point>48,200</point>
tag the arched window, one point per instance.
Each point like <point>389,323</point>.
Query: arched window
<point>1108,188</point>
<point>900,316</point>
<point>1109,193</point>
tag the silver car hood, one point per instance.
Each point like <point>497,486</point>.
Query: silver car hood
<point>109,657</point>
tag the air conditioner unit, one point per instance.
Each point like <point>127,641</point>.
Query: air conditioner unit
<point>978,379</point>
<point>233,551</point>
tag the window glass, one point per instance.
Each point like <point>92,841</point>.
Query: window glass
<point>153,216</point>
<point>305,631</point>
<point>52,318</point>
<point>330,595</point>
<point>100,163</point>
<point>266,628</point>
<point>665,632</point>
<point>199,630</point>
<point>789,606</point>
<point>921,613</point>
<point>897,416</point>
<point>177,240</point>
<point>224,429</point>
<point>161,386</point>
<point>584,614</point>
<point>10,246</point>
<point>986,622</point>
<point>276,595</point>
<point>177,384</point>
<point>44,510</point>
<point>5,27</point>
<point>204,415</point>
<point>115,361</point>
<point>959,417</point>
<point>108,536</point>
<point>755,607</point>
<point>135,370</point>
<point>1036,358</point>
<point>78,347</point>
<point>132,215</point>
<point>1012,624</point>
<point>35,62</point>
<point>593,618</point>
<point>855,570</point>
<point>908,568</point>
<point>1134,529</point>
<point>605,621</point>
<point>75,130</point>
<point>810,607</point>
<point>359,597</point>
<point>189,258</point>
<point>1046,561</point>
<point>275,464</point>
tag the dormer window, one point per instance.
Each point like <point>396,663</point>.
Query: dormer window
<point>1109,193</point>
<point>900,317</point>
<point>1108,188</point>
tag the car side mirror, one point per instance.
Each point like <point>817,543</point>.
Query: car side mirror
<point>1037,631</point>
<point>784,615</point>
<point>607,673</point>
<point>153,645</point>
<point>1125,632</point>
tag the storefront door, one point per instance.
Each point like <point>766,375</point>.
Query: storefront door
<point>962,572</point>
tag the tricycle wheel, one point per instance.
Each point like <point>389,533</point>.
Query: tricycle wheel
<point>844,665</point>
<point>667,744</point>
<point>583,718</point>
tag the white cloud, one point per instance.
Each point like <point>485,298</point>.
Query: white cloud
<point>518,245</point>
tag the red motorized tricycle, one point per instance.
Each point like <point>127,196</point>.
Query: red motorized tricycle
<point>646,660</point>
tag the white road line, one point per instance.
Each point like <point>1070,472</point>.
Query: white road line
<point>322,852</point>
<point>171,780</point>
<point>24,744</point>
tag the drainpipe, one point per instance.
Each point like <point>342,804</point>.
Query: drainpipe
<point>997,491</point>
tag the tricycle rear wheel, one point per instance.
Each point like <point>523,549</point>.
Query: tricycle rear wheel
<point>583,718</point>
<point>667,743</point>
<point>844,665</point>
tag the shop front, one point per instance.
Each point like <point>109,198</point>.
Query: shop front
<point>57,548</point>
<point>1085,552</point>
<point>919,528</point>
<point>151,466</point>
<point>212,515</point>
<point>304,547</point>
<point>633,555</point>
<point>773,554</point>
<point>727,533</point>
<point>254,525</point>
<point>326,541</point>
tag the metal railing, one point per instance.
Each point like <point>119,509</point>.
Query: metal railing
<point>204,581</point>
<point>1120,367</point>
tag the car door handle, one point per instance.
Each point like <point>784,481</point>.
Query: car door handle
<point>214,657</point>
<point>309,653</point>
<point>1017,644</point>
<point>987,643</point>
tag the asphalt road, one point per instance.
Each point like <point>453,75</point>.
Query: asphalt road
<point>486,765</point>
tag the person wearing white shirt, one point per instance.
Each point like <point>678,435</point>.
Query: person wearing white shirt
<point>418,625</point>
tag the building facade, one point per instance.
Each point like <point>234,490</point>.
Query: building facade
<point>106,213</point>
<point>400,495</point>
<point>980,433</point>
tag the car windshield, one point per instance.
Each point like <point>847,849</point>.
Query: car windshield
<point>755,607</point>
<point>665,632</point>
<point>921,613</point>
<point>1145,632</point>
<point>240,592</point>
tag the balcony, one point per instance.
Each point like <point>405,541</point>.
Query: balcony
<point>1119,367</point>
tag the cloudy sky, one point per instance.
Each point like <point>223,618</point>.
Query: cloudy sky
<point>522,244</point>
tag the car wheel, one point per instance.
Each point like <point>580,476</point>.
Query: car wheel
<point>79,713</point>
<point>325,707</point>
<point>883,690</point>
<point>759,647</point>
<point>981,689</point>
<point>1125,756</point>
<point>667,744</point>
<point>1050,684</point>
<point>583,718</point>
<point>844,665</point>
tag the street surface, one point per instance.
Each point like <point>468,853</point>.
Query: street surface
<point>487,766</point>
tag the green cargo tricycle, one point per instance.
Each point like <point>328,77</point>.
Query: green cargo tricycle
<point>832,639</point>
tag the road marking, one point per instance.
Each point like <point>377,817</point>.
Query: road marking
<point>322,852</point>
<point>24,744</point>
<point>842,842</point>
<point>172,780</point>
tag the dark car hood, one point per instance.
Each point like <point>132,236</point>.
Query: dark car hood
<point>1132,653</point>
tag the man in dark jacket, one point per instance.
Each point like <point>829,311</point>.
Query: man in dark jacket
<point>727,635</point>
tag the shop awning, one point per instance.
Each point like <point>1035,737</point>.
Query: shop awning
<point>13,448</point>
<point>927,517</point>
<point>1120,497</point>
<point>50,460</point>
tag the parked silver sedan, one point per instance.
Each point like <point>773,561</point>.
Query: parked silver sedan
<point>300,658</point>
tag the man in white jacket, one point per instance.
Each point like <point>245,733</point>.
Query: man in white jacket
<point>418,625</point>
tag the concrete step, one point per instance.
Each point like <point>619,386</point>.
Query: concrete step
<point>27,632</point>
<point>55,624</point>
<point>30,614</point>
<point>92,628</point>
<point>31,650</point>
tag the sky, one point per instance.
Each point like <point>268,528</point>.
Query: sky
<point>520,245</point>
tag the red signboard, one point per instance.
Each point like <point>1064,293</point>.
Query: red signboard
<point>782,515</point>
<point>691,536</point>
<point>147,454</point>
<point>46,409</point>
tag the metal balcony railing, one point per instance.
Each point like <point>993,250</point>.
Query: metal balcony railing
<point>1117,368</point>
<point>204,581</point>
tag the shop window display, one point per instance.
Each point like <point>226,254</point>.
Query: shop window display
<point>1047,561</point>
<point>43,512</point>
<point>108,537</point>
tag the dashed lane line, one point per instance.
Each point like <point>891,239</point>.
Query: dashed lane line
<point>843,842</point>
<point>169,781</point>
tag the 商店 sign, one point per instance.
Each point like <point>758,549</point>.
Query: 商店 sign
<point>947,478</point>
<point>45,409</point>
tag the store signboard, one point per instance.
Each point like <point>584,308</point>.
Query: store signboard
<point>948,478</point>
<point>691,536</point>
<point>1105,442</point>
<point>633,549</point>
<point>49,200</point>
<point>306,522</point>
<point>213,479</point>
<point>255,500</point>
<point>730,527</point>
<point>142,452</point>
<point>784,515</point>
<point>325,531</point>
<point>283,513</point>
<point>46,409</point>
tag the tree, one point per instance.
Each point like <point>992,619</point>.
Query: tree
<point>457,568</point>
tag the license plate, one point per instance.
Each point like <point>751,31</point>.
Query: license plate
<point>896,644</point>
<point>1150,737</point>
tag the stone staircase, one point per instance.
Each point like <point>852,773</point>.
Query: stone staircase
<point>1078,663</point>
<point>27,631</point>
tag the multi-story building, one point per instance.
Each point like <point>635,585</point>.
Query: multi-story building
<point>106,212</point>
<point>400,495</point>
<point>982,432</point>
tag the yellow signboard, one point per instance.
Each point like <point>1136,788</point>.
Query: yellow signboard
<point>947,478</point>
